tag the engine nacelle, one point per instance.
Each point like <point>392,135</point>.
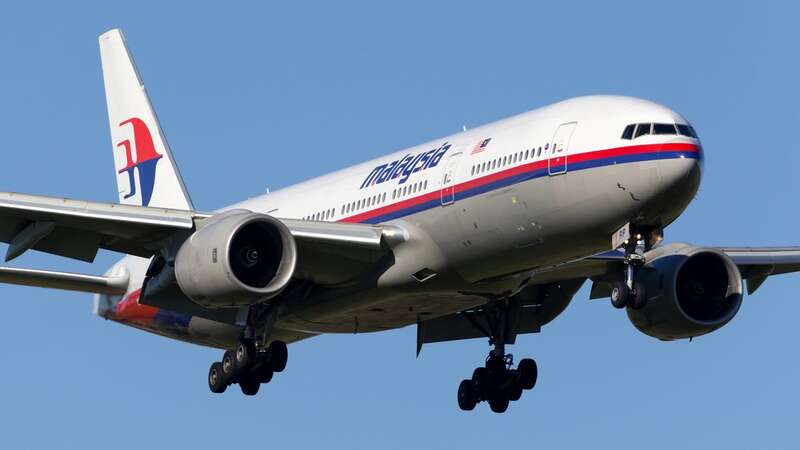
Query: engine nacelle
<point>690,291</point>
<point>239,258</point>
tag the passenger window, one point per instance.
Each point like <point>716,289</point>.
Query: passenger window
<point>642,129</point>
<point>628,132</point>
<point>539,153</point>
<point>664,128</point>
<point>425,185</point>
<point>526,154</point>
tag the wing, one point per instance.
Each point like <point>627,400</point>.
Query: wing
<point>328,252</point>
<point>758,263</point>
<point>550,289</point>
<point>78,229</point>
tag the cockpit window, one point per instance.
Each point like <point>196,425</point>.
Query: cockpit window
<point>664,128</point>
<point>642,129</point>
<point>634,130</point>
<point>628,132</point>
<point>686,130</point>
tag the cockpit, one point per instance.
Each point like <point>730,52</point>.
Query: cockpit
<point>636,130</point>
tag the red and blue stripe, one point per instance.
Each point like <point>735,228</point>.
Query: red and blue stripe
<point>527,172</point>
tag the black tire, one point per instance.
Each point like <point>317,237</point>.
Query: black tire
<point>245,354</point>
<point>515,391</point>
<point>278,355</point>
<point>249,386</point>
<point>467,397</point>
<point>499,403</point>
<point>480,380</point>
<point>264,374</point>
<point>229,366</point>
<point>620,294</point>
<point>528,373</point>
<point>638,300</point>
<point>216,379</point>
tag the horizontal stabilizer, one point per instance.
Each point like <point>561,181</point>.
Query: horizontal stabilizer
<point>64,280</point>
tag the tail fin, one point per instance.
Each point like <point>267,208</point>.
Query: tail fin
<point>146,171</point>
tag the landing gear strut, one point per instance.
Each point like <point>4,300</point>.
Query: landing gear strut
<point>254,360</point>
<point>498,382</point>
<point>630,292</point>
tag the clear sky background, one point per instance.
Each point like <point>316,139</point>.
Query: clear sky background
<point>256,95</point>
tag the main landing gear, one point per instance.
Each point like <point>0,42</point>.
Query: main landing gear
<point>252,361</point>
<point>247,367</point>
<point>498,382</point>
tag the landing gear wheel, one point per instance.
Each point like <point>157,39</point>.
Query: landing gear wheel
<point>249,386</point>
<point>528,373</point>
<point>639,299</point>
<point>467,397</point>
<point>216,379</point>
<point>498,404</point>
<point>229,367</point>
<point>244,354</point>
<point>619,294</point>
<point>479,380</point>
<point>264,373</point>
<point>515,391</point>
<point>278,355</point>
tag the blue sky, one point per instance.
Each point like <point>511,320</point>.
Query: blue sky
<point>256,96</point>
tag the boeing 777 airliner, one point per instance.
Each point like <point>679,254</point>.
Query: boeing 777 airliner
<point>485,233</point>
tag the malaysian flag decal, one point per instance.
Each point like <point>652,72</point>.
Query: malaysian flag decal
<point>481,146</point>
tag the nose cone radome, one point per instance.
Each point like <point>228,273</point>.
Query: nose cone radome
<point>680,170</point>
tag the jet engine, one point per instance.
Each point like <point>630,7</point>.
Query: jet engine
<point>690,291</point>
<point>237,258</point>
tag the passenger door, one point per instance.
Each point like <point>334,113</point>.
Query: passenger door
<point>559,149</point>
<point>447,193</point>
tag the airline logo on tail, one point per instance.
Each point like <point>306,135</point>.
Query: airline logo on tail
<point>146,159</point>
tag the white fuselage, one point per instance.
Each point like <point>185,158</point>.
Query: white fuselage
<point>490,207</point>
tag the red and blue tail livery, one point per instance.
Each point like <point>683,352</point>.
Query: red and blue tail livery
<point>146,158</point>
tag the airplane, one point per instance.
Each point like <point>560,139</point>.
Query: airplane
<point>487,233</point>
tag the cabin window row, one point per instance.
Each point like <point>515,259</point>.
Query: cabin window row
<point>323,215</point>
<point>508,160</point>
<point>636,130</point>
<point>404,191</point>
<point>367,202</point>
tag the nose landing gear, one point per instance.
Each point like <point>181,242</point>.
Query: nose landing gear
<point>637,241</point>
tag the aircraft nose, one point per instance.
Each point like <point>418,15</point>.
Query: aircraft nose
<point>681,167</point>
